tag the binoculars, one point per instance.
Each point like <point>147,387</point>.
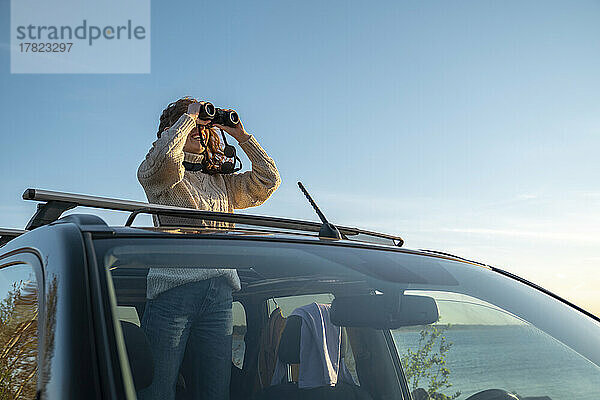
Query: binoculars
<point>218,115</point>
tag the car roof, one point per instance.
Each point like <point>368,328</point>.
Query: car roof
<point>271,235</point>
<point>233,233</point>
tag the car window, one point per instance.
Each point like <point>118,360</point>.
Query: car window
<point>482,313</point>
<point>477,346</point>
<point>290,303</point>
<point>239,332</point>
<point>18,332</point>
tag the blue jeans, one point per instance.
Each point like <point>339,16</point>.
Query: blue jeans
<point>198,316</point>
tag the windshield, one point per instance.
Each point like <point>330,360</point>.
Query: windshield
<point>493,332</point>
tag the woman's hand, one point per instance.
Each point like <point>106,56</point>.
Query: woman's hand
<point>193,110</point>
<point>238,132</point>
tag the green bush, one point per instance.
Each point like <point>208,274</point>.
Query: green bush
<point>428,362</point>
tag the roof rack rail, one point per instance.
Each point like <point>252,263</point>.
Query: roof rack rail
<point>6,235</point>
<point>58,202</point>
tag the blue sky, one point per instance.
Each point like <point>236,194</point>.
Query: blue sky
<point>470,127</point>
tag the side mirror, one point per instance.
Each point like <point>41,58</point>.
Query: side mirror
<point>386,311</point>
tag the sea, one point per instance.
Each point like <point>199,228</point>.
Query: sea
<point>517,358</point>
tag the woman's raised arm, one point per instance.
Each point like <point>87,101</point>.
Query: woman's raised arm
<point>252,188</point>
<point>162,169</point>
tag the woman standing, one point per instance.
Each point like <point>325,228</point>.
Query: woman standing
<point>190,306</point>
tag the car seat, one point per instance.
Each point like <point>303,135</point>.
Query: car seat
<point>269,343</point>
<point>139,353</point>
<point>289,353</point>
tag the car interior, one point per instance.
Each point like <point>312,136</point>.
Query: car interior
<point>264,333</point>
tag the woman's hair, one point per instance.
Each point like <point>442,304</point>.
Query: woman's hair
<point>214,151</point>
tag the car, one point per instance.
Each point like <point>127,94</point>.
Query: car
<point>412,324</point>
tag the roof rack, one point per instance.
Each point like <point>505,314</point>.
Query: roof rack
<point>7,235</point>
<point>55,203</point>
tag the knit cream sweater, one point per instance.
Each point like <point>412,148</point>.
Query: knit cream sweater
<point>166,181</point>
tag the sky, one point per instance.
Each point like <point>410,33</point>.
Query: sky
<point>469,127</point>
